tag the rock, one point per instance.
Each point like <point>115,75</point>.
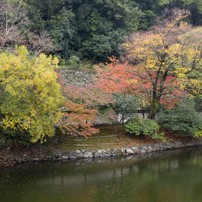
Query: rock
<point>154,149</point>
<point>136,151</point>
<point>123,151</point>
<point>100,151</point>
<point>102,155</point>
<point>79,155</point>
<point>107,151</point>
<point>113,154</point>
<point>144,148</point>
<point>142,151</point>
<point>96,155</point>
<point>129,151</point>
<point>57,154</point>
<point>160,144</point>
<point>77,152</point>
<point>88,155</point>
<point>134,148</point>
<point>139,147</point>
<point>149,147</point>
<point>72,157</point>
<point>84,150</point>
<point>64,157</point>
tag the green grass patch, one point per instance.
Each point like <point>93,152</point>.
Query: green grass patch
<point>96,141</point>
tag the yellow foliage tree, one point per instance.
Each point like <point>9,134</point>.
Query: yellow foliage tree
<point>30,94</point>
<point>163,57</point>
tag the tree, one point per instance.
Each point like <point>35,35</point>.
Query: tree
<point>160,60</point>
<point>89,94</point>
<point>153,9</point>
<point>14,29</point>
<point>102,24</point>
<point>77,26</point>
<point>81,107</point>
<point>31,94</point>
<point>62,31</point>
<point>125,105</point>
<point>77,120</point>
<point>185,2</point>
<point>40,43</point>
<point>100,47</point>
<point>13,20</point>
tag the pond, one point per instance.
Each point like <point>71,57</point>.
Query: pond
<point>165,176</point>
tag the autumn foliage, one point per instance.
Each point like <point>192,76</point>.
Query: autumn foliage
<point>80,108</point>
<point>159,61</point>
<point>77,120</point>
<point>30,95</point>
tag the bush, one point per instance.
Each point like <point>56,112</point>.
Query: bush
<point>16,137</point>
<point>182,120</point>
<point>134,126</point>
<point>142,127</point>
<point>150,127</point>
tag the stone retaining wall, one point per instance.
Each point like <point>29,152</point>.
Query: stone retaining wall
<point>76,77</point>
<point>135,150</point>
<point>62,155</point>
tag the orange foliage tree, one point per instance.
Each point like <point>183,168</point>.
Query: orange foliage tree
<point>80,105</point>
<point>159,61</point>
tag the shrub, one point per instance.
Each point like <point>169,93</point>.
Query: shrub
<point>150,127</point>
<point>134,126</point>
<point>182,120</point>
<point>139,126</point>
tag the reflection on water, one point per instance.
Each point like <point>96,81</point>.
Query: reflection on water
<point>166,176</point>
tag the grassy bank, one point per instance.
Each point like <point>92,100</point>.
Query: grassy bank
<point>109,137</point>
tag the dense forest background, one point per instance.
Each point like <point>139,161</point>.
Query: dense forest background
<point>83,30</point>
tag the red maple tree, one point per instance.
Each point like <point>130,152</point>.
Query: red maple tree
<point>80,108</point>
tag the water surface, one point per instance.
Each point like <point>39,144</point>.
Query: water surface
<point>171,176</point>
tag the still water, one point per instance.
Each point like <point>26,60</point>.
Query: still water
<point>171,176</point>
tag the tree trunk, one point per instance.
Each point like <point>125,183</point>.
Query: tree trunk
<point>154,107</point>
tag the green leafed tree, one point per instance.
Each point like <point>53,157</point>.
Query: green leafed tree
<point>100,47</point>
<point>125,106</point>
<point>92,29</point>
<point>30,94</point>
<point>62,31</point>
